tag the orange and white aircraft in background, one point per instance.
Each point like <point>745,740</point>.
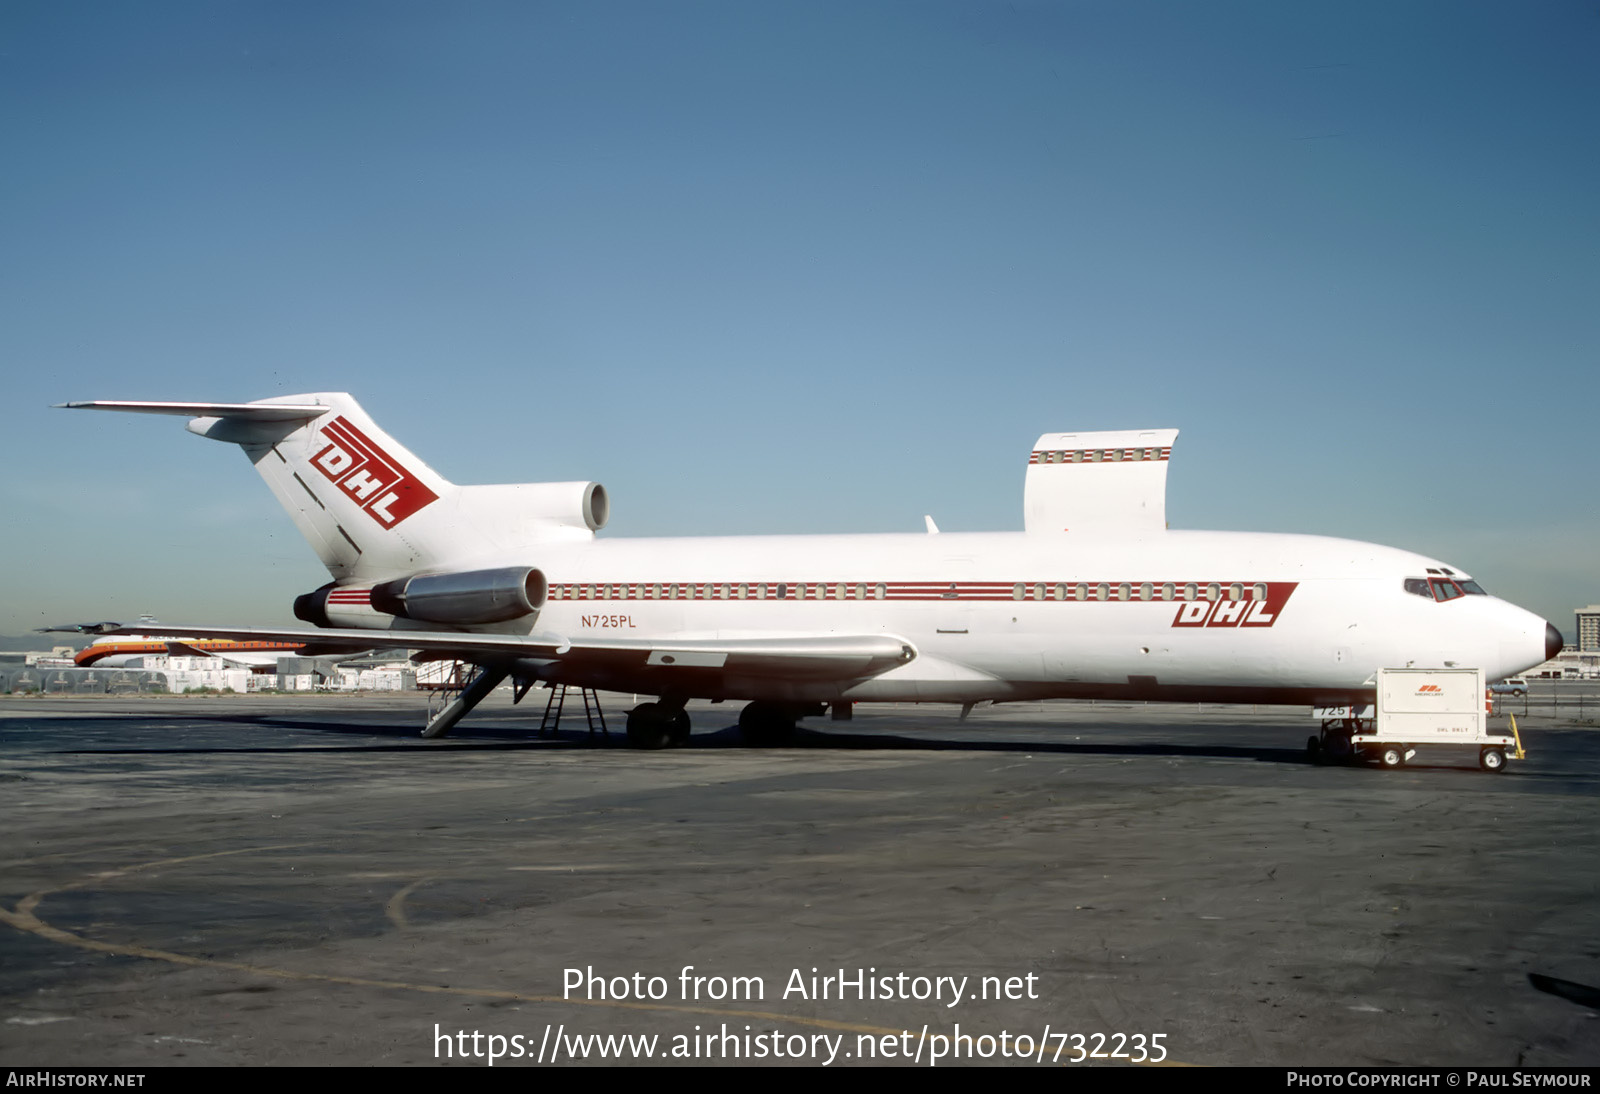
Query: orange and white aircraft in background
<point>113,653</point>
<point>125,649</point>
<point>1095,598</point>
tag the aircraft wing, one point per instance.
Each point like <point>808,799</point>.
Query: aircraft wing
<point>802,657</point>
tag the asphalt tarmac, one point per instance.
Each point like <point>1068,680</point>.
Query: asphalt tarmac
<point>303,880</point>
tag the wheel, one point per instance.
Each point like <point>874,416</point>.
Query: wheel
<point>1392,756</point>
<point>765,725</point>
<point>1517,693</point>
<point>1314,748</point>
<point>1492,760</point>
<point>1338,747</point>
<point>678,728</point>
<point>649,726</point>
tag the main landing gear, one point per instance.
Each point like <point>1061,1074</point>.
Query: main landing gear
<point>767,725</point>
<point>663,724</point>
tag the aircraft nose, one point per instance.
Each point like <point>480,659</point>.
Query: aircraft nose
<point>1552,641</point>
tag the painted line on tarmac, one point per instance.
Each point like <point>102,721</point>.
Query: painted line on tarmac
<point>24,918</point>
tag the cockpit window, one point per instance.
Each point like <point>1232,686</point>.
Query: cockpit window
<point>1418,586</point>
<point>1444,590</point>
<point>1472,588</point>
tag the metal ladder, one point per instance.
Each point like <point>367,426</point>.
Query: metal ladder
<point>557,702</point>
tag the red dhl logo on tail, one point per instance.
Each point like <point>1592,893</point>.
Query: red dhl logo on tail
<point>1430,689</point>
<point>374,480</point>
<point>1237,613</point>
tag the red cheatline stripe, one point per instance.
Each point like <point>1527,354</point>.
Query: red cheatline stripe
<point>1107,455</point>
<point>893,590</point>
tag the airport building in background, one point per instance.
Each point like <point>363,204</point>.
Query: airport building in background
<point>1589,628</point>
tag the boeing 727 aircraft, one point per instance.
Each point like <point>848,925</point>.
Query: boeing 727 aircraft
<point>1095,598</point>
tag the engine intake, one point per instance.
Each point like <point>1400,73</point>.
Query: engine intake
<point>475,596</point>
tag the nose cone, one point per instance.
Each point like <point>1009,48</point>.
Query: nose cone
<point>1552,641</point>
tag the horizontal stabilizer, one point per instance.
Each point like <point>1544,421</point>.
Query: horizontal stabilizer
<point>249,412</point>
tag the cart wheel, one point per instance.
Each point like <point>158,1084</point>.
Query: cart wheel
<point>1492,760</point>
<point>1393,756</point>
<point>1314,749</point>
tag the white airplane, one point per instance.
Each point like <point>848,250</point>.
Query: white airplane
<point>1096,598</point>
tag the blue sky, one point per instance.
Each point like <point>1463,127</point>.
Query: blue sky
<point>801,267</point>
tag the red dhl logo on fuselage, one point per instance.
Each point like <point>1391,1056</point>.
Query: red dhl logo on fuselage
<point>1430,689</point>
<point>1236,613</point>
<point>374,480</point>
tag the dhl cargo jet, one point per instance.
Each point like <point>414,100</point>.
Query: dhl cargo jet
<point>1095,598</point>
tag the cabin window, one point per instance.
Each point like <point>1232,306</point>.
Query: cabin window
<point>1080,591</point>
<point>1077,456</point>
<point>1123,592</point>
<point>782,592</point>
<point>881,591</point>
<point>1144,591</point>
<point>1016,591</point>
<point>1213,592</point>
<point>761,590</point>
<point>1236,591</point>
<point>1190,592</point>
<point>1167,591</point>
<point>1038,592</point>
<point>1260,591</point>
<point>1061,592</point>
<point>744,592</point>
<point>1102,591</point>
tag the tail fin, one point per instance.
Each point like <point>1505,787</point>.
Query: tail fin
<point>368,506</point>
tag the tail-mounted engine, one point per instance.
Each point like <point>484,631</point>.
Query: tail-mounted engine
<point>473,596</point>
<point>476,596</point>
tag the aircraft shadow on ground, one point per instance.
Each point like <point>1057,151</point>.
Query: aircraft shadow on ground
<point>486,735</point>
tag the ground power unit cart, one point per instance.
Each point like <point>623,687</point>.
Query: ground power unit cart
<point>1416,707</point>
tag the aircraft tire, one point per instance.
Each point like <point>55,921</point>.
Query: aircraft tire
<point>678,728</point>
<point>1492,760</point>
<point>1338,748</point>
<point>766,725</point>
<point>1314,749</point>
<point>648,728</point>
<point>1393,756</point>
